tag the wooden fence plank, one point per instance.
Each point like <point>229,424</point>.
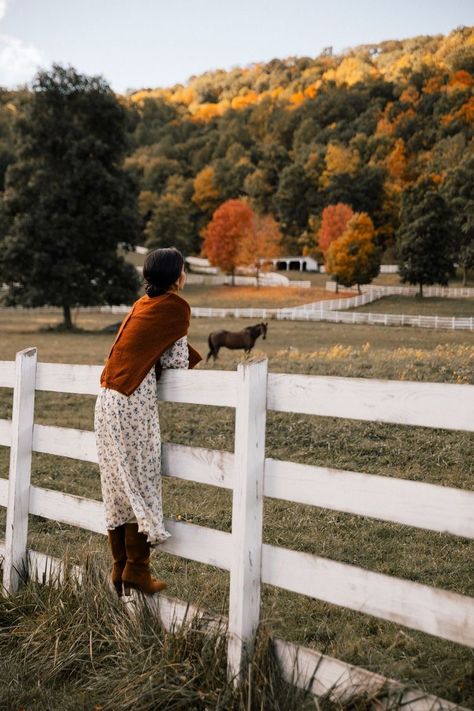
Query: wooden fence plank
<point>247,513</point>
<point>413,503</point>
<point>65,442</point>
<point>321,674</point>
<point>65,378</point>
<point>407,403</point>
<point>438,612</point>
<point>205,387</point>
<point>204,545</point>
<point>68,508</point>
<point>201,387</point>
<point>7,373</point>
<point>205,466</point>
<point>16,531</point>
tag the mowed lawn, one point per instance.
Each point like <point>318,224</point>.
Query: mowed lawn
<point>426,306</point>
<point>421,454</point>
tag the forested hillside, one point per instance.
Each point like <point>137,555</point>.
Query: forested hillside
<point>293,136</point>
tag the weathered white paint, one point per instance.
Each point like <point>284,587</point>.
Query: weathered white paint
<point>407,403</point>
<point>49,570</point>
<point>309,669</point>
<point>65,442</point>
<point>202,387</point>
<point>204,545</point>
<point>438,612</point>
<point>65,378</point>
<point>413,503</point>
<point>7,373</point>
<point>16,531</point>
<point>247,512</point>
<point>67,508</point>
<point>205,466</point>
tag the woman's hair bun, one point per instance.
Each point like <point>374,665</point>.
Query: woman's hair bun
<point>161,269</point>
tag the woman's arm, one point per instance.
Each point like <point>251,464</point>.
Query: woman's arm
<point>177,356</point>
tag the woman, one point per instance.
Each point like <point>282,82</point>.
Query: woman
<point>152,336</point>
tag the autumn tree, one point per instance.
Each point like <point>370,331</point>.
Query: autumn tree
<point>206,194</point>
<point>425,241</point>
<point>230,226</point>
<point>70,204</point>
<point>354,258</point>
<point>261,243</point>
<point>458,190</point>
<point>333,223</point>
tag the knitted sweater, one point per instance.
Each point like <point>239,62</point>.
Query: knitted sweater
<point>148,330</point>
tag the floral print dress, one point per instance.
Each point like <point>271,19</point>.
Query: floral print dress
<point>128,441</point>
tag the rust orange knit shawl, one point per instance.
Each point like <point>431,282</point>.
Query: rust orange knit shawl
<point>151,327</point>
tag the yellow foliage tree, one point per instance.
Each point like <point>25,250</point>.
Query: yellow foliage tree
<point>206,195</point>
<point>241,102</point>
<point>339,159</point>
<point>354,258</point>
<point>351,71</point>
<point>396,162</point>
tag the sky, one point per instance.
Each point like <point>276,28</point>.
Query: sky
<point>156,43</point>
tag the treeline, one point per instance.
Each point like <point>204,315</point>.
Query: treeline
<point>292,137</point>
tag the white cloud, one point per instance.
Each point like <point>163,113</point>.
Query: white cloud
<point>18,61</point>
<point>3,8</point>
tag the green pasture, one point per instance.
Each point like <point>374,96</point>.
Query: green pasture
<point>422,454</point>
<point>427,306</point>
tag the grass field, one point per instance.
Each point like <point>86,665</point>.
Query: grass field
<point>427,306</point>
<point>421,454</point>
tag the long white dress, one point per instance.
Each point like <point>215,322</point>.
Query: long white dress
<point>128,440</point>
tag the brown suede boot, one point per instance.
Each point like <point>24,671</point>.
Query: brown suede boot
<point>137,569</point>
<point>117,546</point>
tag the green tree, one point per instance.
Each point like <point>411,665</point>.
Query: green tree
<point>69,201</point>
<point>292,204</point>
<point>425,237</point>
<point>458,190</point>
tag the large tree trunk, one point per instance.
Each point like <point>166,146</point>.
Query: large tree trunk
<point>233,277</point>
<point>67,317</point>
<point>464,276</point>
<point>420,293</point>
<point>359,289</point>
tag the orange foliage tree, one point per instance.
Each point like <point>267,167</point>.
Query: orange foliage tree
<point>231,225</point>
<point>334,221</point>
<point>354,258</point>
<point>261,243</point>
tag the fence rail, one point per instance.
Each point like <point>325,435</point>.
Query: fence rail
<point>252,477</point>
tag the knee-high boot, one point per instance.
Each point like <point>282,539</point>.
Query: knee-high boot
<point>137,569</point>
<point>119,555</point>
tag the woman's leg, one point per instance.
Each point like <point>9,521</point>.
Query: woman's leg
<point>137,569</point>
<point>119,555</point>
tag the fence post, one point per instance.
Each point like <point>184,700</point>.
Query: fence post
<point>20,469</point>
<point>247,512</point>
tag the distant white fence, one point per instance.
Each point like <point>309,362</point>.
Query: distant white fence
<point>379,290</point>
<point>265,279</point>
<point>252,391</point>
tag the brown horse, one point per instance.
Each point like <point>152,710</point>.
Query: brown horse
<point>230,339</point>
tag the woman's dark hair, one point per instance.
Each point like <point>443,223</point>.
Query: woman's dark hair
<point>161,269</point>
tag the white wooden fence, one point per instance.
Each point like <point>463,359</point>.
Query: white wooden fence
<point>251,476</point>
